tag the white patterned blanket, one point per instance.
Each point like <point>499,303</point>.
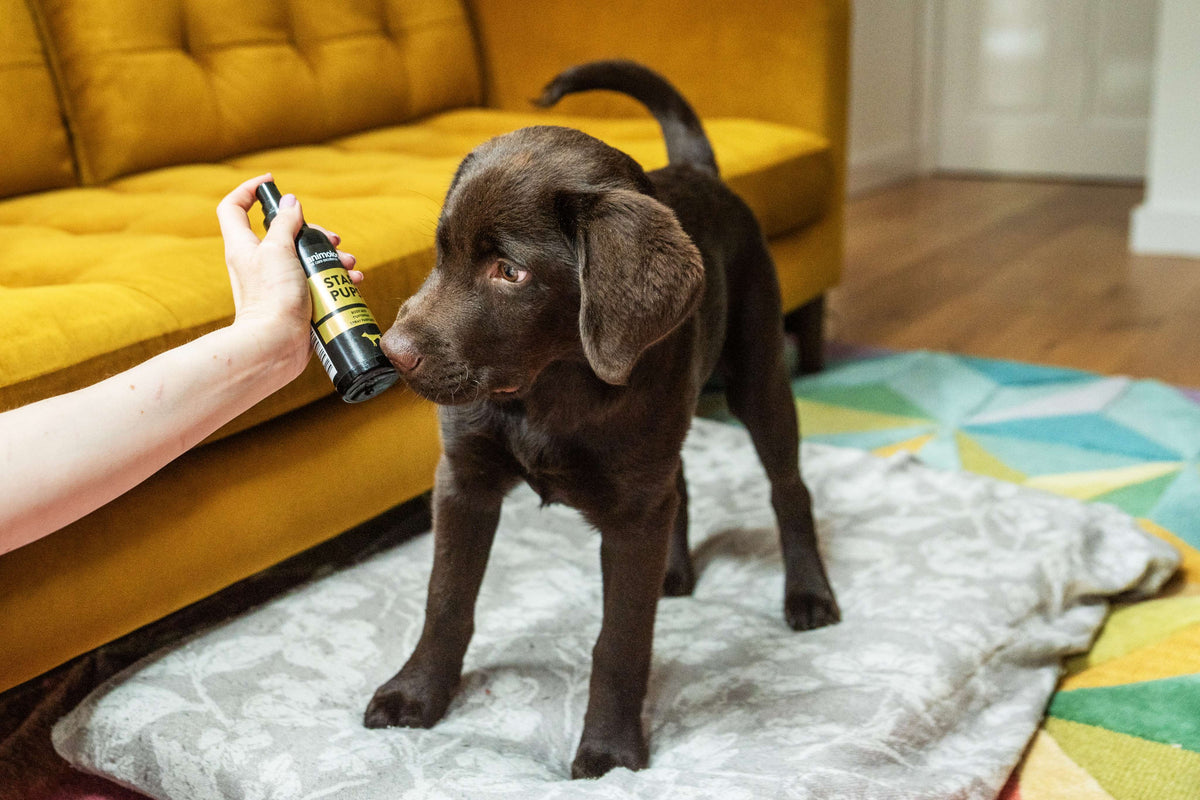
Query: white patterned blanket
<point>960,596</point>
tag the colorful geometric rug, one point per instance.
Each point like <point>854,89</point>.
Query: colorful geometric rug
<point>1125,723</point>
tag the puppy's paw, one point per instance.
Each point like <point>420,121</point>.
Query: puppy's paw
<point>680,580</point>
<point>595,758</point>
<point>805,610</point>
<point>404,702</point>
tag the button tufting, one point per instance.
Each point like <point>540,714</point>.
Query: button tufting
<point>199,80</point>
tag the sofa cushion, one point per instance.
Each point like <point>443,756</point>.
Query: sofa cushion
<point>784,173</point>
<point>32,138</point>
<point>148,83</point>
<point>98,279</point>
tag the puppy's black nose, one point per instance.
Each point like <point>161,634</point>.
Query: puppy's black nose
<point>401,351</point>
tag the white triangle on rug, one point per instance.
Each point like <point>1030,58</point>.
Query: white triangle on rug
<point>1086,399</point>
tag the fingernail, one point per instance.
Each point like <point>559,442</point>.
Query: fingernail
<point>287,201</point>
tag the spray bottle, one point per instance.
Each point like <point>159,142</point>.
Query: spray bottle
<point>344,333</point>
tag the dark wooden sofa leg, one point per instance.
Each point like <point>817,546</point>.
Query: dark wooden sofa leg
<point>807,324</point>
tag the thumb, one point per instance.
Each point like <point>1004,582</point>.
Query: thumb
<point>286,225</point>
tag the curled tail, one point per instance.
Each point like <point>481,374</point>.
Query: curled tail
<point>685,137</point>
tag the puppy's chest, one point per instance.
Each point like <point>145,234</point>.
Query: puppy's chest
<point>560,469</point>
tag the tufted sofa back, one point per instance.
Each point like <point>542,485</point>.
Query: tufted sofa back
<point>151,83</point>
<point>34,151</point>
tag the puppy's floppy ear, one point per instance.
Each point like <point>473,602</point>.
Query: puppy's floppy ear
<point>640,276</point>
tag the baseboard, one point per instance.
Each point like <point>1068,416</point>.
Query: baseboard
<point>1165,231</point>
<point>882,166</point>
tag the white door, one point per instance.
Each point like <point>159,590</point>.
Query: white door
<point>1046,87</point>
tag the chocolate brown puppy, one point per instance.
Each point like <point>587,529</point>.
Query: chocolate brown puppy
<point>577,306</point>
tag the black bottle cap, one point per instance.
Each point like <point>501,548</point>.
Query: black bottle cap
<point>269,196</point>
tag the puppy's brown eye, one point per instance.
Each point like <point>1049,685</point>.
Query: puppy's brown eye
<point>510,272</point>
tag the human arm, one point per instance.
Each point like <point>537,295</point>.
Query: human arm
<point>65,456</point>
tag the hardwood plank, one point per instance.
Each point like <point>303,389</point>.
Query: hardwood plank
<point>1025,270</point>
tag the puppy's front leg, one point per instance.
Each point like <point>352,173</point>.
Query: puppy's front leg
<point>633,556</point>
<point>464,524</point>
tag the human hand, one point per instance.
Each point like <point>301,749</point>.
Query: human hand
<point>270,294</point>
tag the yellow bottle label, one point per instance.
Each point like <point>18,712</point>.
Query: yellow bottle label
<point>331,290</point>
<point>344,321</point>
<point>336,304</point>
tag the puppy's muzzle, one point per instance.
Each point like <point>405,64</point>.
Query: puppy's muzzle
<point>402,351</point>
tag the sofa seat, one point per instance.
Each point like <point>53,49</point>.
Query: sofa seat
<point>98,279</point>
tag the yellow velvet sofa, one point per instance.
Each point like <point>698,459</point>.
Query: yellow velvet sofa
<point>125,121</point>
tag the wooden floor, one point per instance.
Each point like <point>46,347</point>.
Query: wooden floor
<point>1025,270</point>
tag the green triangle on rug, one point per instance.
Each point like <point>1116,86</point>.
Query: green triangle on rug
<point>873,397</point>
<point>1166,711</point>
<point>1139,499</point>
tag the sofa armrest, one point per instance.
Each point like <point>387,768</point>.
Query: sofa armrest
<point>782,61</point>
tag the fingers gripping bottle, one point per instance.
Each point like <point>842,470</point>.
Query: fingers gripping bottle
<point>344,333</point>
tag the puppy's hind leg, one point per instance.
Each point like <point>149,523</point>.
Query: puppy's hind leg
<point>681,577</point>
<point>759,396</point>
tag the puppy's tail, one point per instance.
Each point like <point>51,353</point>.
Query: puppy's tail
<point>686,140</point>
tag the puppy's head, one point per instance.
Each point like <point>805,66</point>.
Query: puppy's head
<point>549,247</point>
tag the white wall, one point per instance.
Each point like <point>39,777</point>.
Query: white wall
<point>890,109</point>
<point>1169,220</point>
<point>1095,54</point>
<point>1046,87</point>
